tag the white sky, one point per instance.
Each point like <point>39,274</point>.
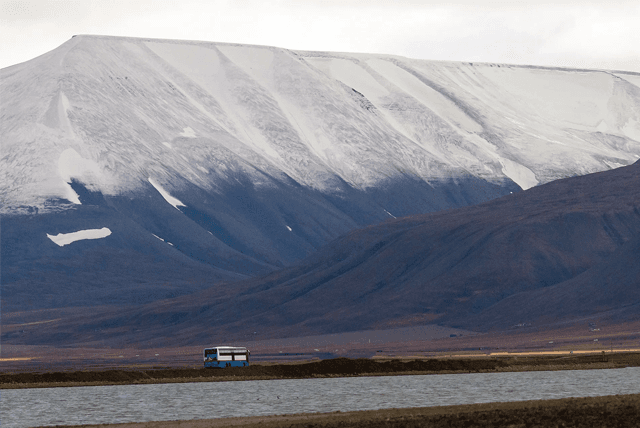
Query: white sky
<point>575,33</point>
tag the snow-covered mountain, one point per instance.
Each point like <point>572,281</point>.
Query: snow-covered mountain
<point>119,113</point>
<point>243,158</point>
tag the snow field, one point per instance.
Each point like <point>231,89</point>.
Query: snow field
<point>129,109</point>
<point>429,97</point>
<point>203,66</point>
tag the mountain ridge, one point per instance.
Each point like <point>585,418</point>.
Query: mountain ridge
<point>226,161</point>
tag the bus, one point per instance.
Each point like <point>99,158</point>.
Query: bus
<point>226,356</point>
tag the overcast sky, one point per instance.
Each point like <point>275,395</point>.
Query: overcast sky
<point>589,34</point>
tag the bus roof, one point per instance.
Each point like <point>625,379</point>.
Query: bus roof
<point>227,347</point>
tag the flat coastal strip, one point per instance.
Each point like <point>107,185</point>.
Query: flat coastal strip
<point>339,367</point>
<point>608,411</point>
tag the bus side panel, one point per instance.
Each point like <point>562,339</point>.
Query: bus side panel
<point>223,364</point>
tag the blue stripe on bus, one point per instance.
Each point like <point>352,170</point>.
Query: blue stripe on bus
<point>223,364</point>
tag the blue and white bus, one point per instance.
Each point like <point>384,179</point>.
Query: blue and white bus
<point>226,356</point>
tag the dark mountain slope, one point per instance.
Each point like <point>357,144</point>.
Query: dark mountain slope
<point>452,267</point>
<point>609,290</point>
<point>458,262</point>
<point>128,266</point>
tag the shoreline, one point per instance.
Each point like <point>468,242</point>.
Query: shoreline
<point>612,410</point>
<point>331,368</point>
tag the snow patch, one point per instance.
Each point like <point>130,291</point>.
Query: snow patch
<point>71,165</point>
<point>613,165</point>
<point>58,115</point>
<point>162,239</point>
<point>554,97</point>
<point>255,61</point>
<point>520,174</point>
<point>66,106</point>
<point>315,139</point>
<point>175,202</point>
<point>352,75</point>
<point>70,194</point>
<point>168,145</point>
<point>63,239</point>
<point>188,132</point>
<point>632,129</point>
<point>603,127</point>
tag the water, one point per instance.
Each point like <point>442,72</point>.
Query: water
<point>141,403</point>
